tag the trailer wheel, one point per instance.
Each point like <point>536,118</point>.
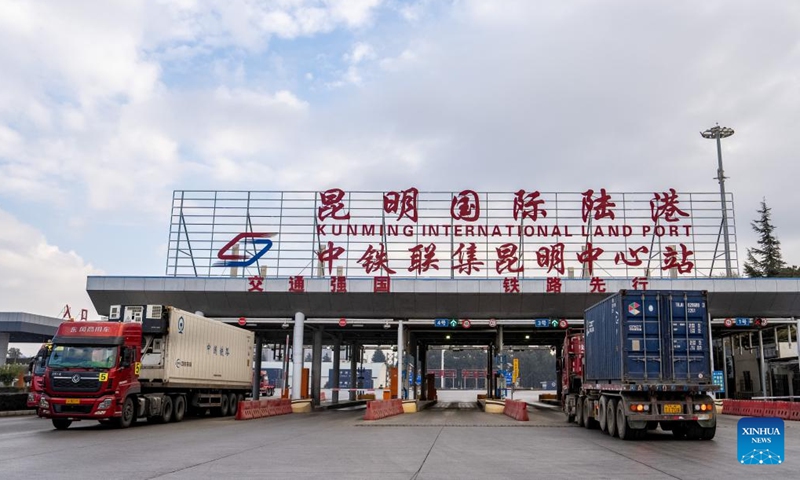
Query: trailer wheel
<point>611,417</point>
<point>233,405</point>
<point>166,410</point>
<point>708,432</point>
<point>178,408</point>
<point>624,431</point>
<point>61,423</point>
<point>589,421</point>
<point>128,414</point>
<point>579,412</point>
<point>601,414</point>
<point>223,405</point>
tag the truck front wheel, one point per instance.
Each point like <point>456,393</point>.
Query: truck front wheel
<point>128,414</point>
<point>62,423</point>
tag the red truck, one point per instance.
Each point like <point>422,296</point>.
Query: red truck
<point>36,372</point>
<point>152,362</point>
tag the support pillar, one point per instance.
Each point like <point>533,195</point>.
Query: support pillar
<point>4,339</point>
<point>725,369</point>
<point>297,356</point>
<point>415,349</point>
<point>316,366</point>
<point>256,393</point>
<point>334,382</point>
<point>763,364</point>
<point>423,366</point>
<point>355,350</point>
<point>401,361</point>
<point>489,372</point>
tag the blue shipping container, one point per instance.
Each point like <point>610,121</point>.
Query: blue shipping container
<point>648,337</point>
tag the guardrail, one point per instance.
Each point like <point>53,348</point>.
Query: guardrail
<point>760,408</point>
<point>250,409</point>
<point>516,409</point>
<point>377,409</point>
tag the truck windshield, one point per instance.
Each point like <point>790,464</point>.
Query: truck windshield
<point>65,356</point>
<point>40,361</point>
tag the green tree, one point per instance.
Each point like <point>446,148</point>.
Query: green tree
<point>378,356</point>
<point>766,260</point>
<point>8,373</point>
<point>14,354</point>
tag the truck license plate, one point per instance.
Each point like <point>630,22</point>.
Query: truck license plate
<point>73,401</point>
<point>673,408</point>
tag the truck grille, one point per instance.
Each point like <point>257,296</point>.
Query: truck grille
<point>64,383</point>
<point>72,408</point>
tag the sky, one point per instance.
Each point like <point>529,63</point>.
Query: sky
<point>107,107</point>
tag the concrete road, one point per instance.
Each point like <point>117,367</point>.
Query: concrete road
<point>441,443</point>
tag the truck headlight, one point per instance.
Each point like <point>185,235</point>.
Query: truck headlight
<point>105,404</point>
<point>43,403</point>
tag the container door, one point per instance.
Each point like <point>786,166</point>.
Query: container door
<point>642,338</point>
<point>689,330</point>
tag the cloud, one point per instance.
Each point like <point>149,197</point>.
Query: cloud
<point>38,277</point>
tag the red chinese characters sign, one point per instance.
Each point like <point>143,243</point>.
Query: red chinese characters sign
<point>527,225</point>
<point>590,233</point>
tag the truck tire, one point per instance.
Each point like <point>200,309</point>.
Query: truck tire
<point>223,405</point>
<point>611,417</point>
<point>601,414</point>
<point>178,408</point>
<point>579,412</point>
<point>624,431</point>
<point>61,423</point>
<point>589,421</point>
<point>128,414</point>
<point>233,404</point>
<point>166,410</point>
<point>708,432</point>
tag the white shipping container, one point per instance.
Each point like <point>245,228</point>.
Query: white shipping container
<point>200,352</point>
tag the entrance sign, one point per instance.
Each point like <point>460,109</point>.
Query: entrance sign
<point>592,234</point>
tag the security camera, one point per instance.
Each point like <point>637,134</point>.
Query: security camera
<point>285,325</point>
<point>387,326</point>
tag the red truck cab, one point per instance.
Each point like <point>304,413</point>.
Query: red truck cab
<point>92,369</point>
<point>36,372</point>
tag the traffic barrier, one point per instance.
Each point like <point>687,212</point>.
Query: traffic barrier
<point>783,409</point>
<point>758,409</point>
<point>794,411</point>
<point>250,409</point>
<point>728,406</point>
<point>377,409</point>
<point>518,410</point>
<point>770,409</point>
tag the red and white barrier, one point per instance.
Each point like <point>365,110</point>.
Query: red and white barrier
<point>516,409</point>
<point>758,408</point>
<point>250,409</point>
<point>377,409</point>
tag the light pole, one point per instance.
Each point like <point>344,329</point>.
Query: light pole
<point>717,132</point>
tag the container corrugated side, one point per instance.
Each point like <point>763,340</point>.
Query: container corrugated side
<point>203,351</point>
<point>602,340</point>
<point>649,337</point>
